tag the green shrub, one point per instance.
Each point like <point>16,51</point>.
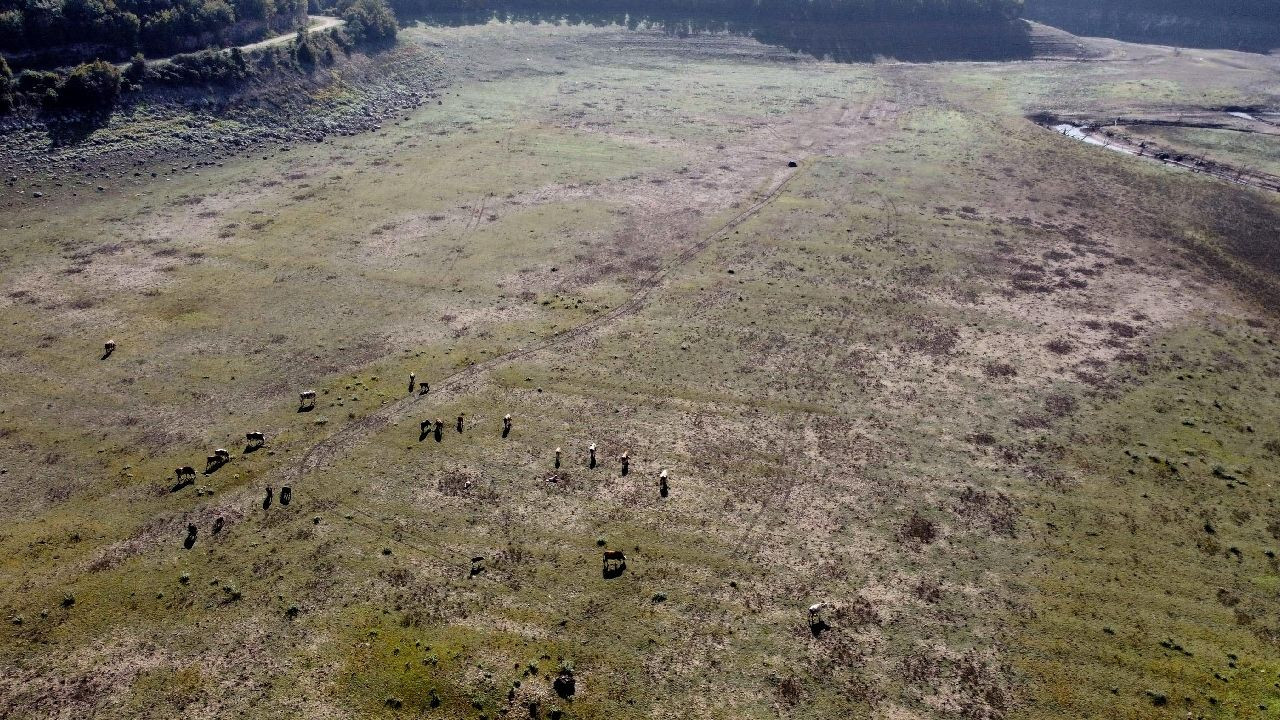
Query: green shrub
<point>36,82</point>
<point>208,67</point>
<point>369,21</point>
<point>137,69</point>
<point>91,86</point>
<point>305,55</point>
<point>6,86</point>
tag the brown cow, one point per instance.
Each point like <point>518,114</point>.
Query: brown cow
<point>617,557</point>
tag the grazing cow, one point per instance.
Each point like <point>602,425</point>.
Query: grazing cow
<point>459,422</point>
<point>211,462</point>
<point>255,439</point>
<point>286,495</point>
<point>557,458</point>
<point>424,387</point>
<point>108,347</point>
<point>815,613</point>
<point>266,502</point>
<point>506,425</point>
<point>413,380</point>
<point>439,428</point>
<point>184,471</point>
<point>626,464</point>
<point>662,481</point>
<point>614,559</point>
<point>222,454</point>
<point>307,398</point>
<point>217,526</point>
<point>424,427</point>
<point>591,463</point>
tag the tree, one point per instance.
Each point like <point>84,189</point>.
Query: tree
<point>369,20</point>
<point>137,69</point>
<point>306,56</point>
<point>6,86</point>
<point>91,86</point>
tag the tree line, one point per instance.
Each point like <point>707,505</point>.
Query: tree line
<point>95,87</point>
<point>826,10</point>
<point>155,27</point>
<point>1252,9</point>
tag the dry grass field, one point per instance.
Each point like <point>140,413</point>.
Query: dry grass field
<point>1008,403</point>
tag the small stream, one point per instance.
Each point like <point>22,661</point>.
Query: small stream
<point>1093,136</point>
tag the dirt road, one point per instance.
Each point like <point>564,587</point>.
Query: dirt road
<point>317,23</point>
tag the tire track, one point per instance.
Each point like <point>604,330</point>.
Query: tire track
<point>456,384</point>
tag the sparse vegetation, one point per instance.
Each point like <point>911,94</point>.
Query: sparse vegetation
<point>1009,495</point>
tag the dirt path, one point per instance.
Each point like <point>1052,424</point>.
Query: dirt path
<point>319,23</point>
<point>453,385</point>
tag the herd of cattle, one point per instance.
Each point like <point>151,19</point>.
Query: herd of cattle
<point>614,560</point>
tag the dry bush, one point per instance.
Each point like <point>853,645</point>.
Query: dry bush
<point>1031,421</point>
<point>1060,346</point>
<point>982,692</point>
<point>982,438</point>
<point>788,689</point>
<point>920,668</point>
<point>1123,330</point>
<point>993,509</point>
<point>928,590</point>
<point>455,484</point>
<point>1060,405</point>
<point>995,370</point>
<point>857,613</point>
<point>918,529</point>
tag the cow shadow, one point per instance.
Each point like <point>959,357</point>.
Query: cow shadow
<point>610,571</point>
<point>819,627</point>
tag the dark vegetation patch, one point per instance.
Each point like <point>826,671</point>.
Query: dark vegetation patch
<point>998,370</point>
<point>1060,346</point>
<point>1060,405</point>
<point>917,530</point>
<point>993,510</point>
